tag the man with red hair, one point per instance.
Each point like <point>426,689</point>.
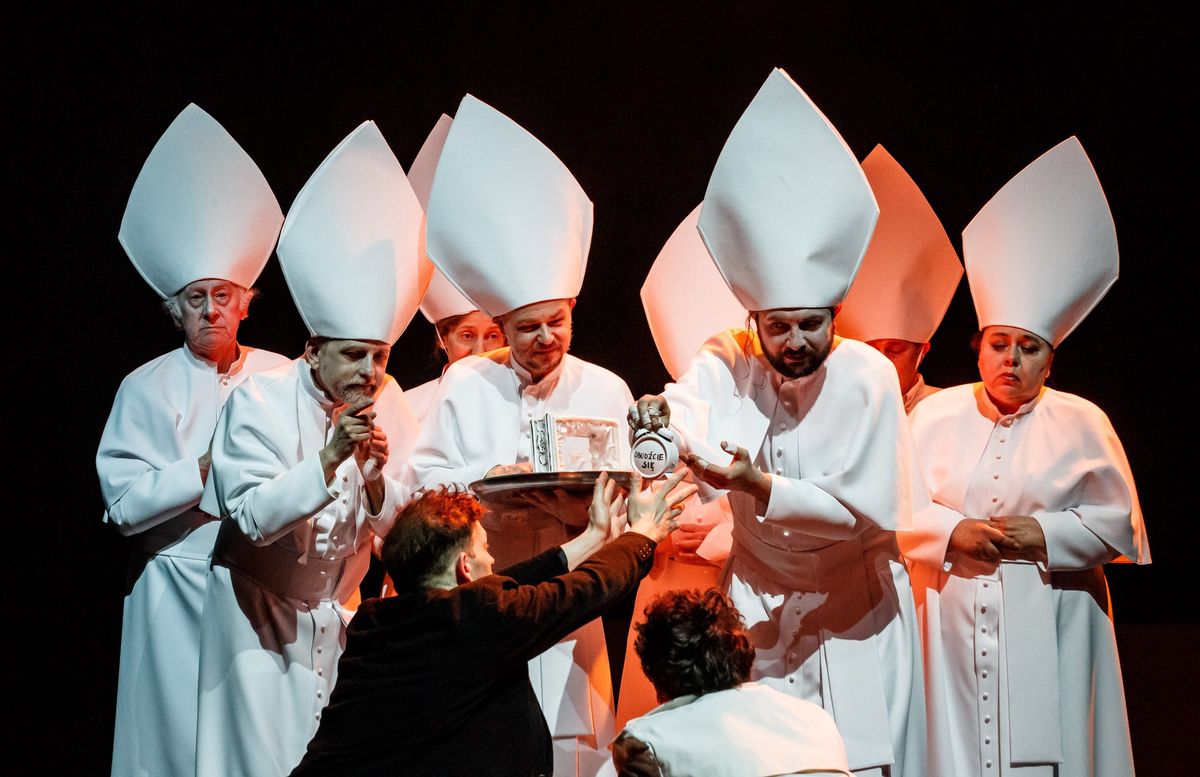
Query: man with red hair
<point>434,680</point>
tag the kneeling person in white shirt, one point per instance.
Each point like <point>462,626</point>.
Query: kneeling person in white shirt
<point>696,651</point>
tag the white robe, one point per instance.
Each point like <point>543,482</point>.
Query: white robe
<point>749,731</point>
<point>481,418</point>
<point>160,425</point>
<point>420,398</point>
<point>290,551</point>
<point>916,392</point>
<point>1021,659</point>
<point>817,575</point>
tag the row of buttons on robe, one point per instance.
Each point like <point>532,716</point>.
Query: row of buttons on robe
<point>323,640</point>
<point>327,531</point>
<point>987,623</point>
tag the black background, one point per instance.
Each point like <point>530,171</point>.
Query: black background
<point>637,100</point>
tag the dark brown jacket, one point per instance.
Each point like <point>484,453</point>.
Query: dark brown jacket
<point>437,682</point>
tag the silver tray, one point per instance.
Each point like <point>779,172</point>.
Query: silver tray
<point>510,489</point>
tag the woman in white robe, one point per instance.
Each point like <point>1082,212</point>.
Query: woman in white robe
<point>1021,660</point>
<point>458,335</point>
<point>1031,493</point>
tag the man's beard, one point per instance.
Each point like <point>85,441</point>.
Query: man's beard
<point>543,362</point>
<point>811,361</point>
<point>352,394</point>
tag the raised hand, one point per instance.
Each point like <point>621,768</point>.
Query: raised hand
<point>740,475</point>
<point>655,513</point>
<point>372,455</point>
<point>352,428</point>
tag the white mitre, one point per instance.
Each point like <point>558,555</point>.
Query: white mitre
<point>351,246</point>
<point>1043,252</point>
<point>200,208</point>
<point>441,300</point>
<point>686,299</point>
<point>508,224</point>
<point>788,212</point>
<point>911,269</point>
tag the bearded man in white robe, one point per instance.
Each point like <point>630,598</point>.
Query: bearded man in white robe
<point>510,228</point>
<point>308,466</point>
<point>806,434</point>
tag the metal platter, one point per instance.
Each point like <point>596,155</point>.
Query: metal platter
<point>511,489</point>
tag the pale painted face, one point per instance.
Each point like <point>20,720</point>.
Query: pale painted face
<point>796,341</point>
<point>906,356</point>
<point>1013,364</point>
<point>475,333</point>
<point>539,335</point>
<point>349,370</point>
<point>210,312</point>
<point>479,558</point>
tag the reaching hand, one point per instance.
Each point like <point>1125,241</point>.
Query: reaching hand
<point>981,540</point>
<point>654,513</point>
<point>606,503</point>
<point>740,475</point>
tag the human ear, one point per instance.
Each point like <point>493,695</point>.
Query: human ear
<point>312,355</point>
<point>462,569</point>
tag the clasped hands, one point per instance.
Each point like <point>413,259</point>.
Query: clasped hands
<point>355,434</point>
<point>999,537</point>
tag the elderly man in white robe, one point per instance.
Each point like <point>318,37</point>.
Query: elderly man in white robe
<point>308,465</point>
<point>510,228</point>
<point>821,472</point>
<point>1032,495</point>
<point>200,226</point>
<point>907,278</point>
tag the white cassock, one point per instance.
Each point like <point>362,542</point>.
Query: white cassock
<point>420,398</point>
<point>749,731</point>
<point>290,551</point>
<point>916,392</point>
<point>1021,658</point>
<point>818,576</point>
<point>160,425</point>
<point>481,418</point>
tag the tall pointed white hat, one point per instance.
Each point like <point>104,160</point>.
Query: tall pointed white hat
<point>508,223</point>
<point>200,208</point>
<point>911,269</point>
<point>441,299</point>
<point>686,299</point>
<point>351,246</point>
<point>788,212</point>
<point>1043,252</point>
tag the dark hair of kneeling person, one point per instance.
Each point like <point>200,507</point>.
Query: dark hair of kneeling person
<point>693,643</point>
<point>434,680</point>
<point>695,649</point>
